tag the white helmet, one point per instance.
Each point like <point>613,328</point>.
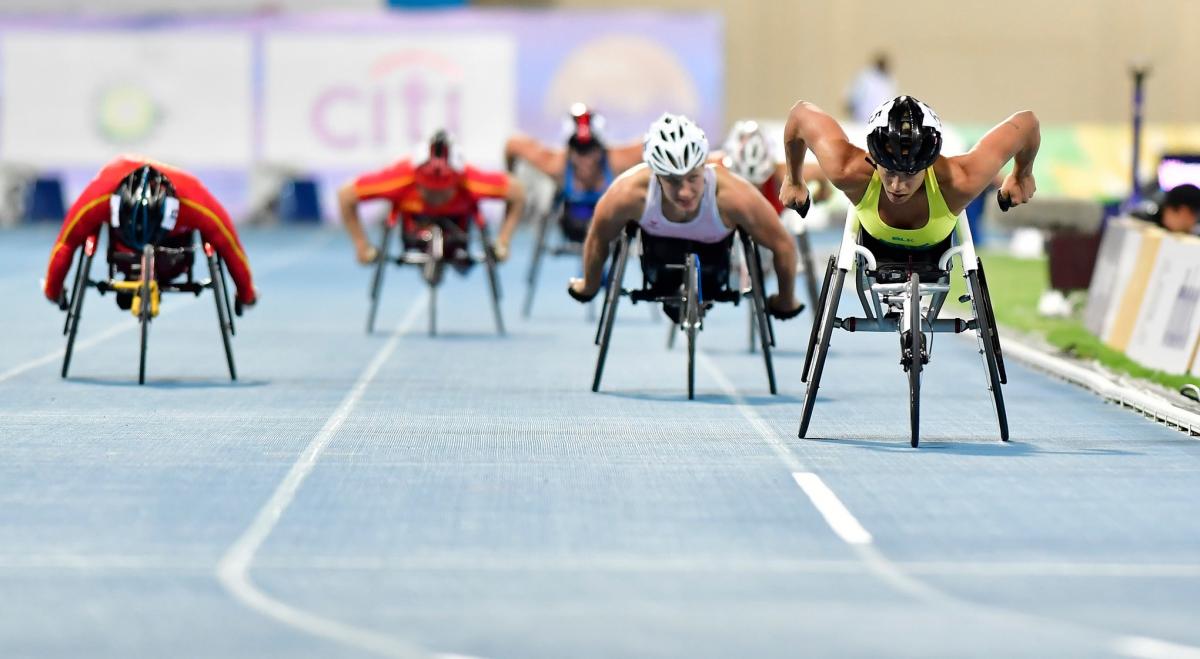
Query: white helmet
<point>674,145</point>
<point>748,153</point>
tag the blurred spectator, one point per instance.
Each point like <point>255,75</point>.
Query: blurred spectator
<point>1176,211</point>
<point>871,87</point>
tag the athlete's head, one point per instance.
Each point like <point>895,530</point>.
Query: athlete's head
<point>748,152</point>
<point>675,149</point>
<point>583,130</point>
<point>439,174</point>
<point>905,138</point>
<point>144,207</point>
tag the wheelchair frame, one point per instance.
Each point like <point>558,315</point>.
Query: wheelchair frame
<point>691,300</point>
<point>905,315</point>
<point>147,292</point>
<point>433,263</point>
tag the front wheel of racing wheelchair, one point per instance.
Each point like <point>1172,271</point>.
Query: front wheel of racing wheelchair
<point>899,288</point>
<point>157,270</point>
<point>428,250</point>
<point>688,299</point>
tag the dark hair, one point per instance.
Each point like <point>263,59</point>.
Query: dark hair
<point>1183,195</point>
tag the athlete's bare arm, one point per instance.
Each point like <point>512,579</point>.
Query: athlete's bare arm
<point>814,177</point>
<point>514,205</point>
<point>743,206</point>
<point>810,127</point>
<point>621,204</point>
<point>964,177</point>
<point>551,162</point>
<point>348,207</point>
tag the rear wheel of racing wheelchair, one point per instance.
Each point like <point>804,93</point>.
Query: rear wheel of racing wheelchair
<point>493,274</point>
<point>913,358</point>
<point>220,289</point>
<point>608,286</point>
<point>75,306</point>
<point>818,342</point>
<point>989,343</point>
<point>690,318</point>
<point>535,265</point>
<point>145,305</point>
<point>611,300</point>
<point>758,307</point>
<point>381,263</point>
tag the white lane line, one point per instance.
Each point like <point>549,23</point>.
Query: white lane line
<point>835,513</point>
<point>233,568</point>
<point>765,431</point>
<point>1152,648</point>
<point>892,573</point>
<point>832,509</point>
<point>80,346</point>
<point>130,323</point>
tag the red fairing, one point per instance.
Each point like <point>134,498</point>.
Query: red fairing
<point>198,210</point>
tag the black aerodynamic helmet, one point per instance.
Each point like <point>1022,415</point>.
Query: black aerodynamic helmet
<point>144,207</point>
<point>905,135</point>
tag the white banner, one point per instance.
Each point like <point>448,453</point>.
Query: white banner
<point>361,101</point>
<point>76,98</point>
<point>1168,324</point>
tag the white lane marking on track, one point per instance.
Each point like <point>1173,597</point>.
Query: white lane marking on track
<point>130,323</point>
<point>80,346</point>
<point>1152,648</point>
<point>903,582</point>
<point>832,509</point>
<point>233,568</point>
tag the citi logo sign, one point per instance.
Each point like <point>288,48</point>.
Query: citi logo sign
<point>407,94</point>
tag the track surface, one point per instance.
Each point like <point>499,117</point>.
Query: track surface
<point>466,494</point>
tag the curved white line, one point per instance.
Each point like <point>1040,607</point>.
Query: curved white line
<point>233,568</point>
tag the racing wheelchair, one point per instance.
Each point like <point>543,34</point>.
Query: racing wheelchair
<point>903,291</point>
<point>435,243</point>
<point>687,278</point>
<point>145,276</point>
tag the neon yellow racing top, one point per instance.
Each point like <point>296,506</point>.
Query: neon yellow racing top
<point>941,221</point>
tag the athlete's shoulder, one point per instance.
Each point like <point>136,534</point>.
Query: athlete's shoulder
<point>735,194</point>
<point>627,194</point>
<point>638,175</point>
<point>472,173</point>
<point>730,184</point>
<point>387,181</point>
<point>633,180</point>
<point>484,182</point>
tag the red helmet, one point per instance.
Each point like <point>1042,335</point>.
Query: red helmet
<point>583,128</point>
<point>439,171</point>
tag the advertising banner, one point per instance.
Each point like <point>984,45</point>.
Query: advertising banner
<point>1168,323</point>
<point>344,100</point>
<point>80,97</point>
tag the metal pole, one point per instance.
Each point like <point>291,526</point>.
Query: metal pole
<point>1140,71</point>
